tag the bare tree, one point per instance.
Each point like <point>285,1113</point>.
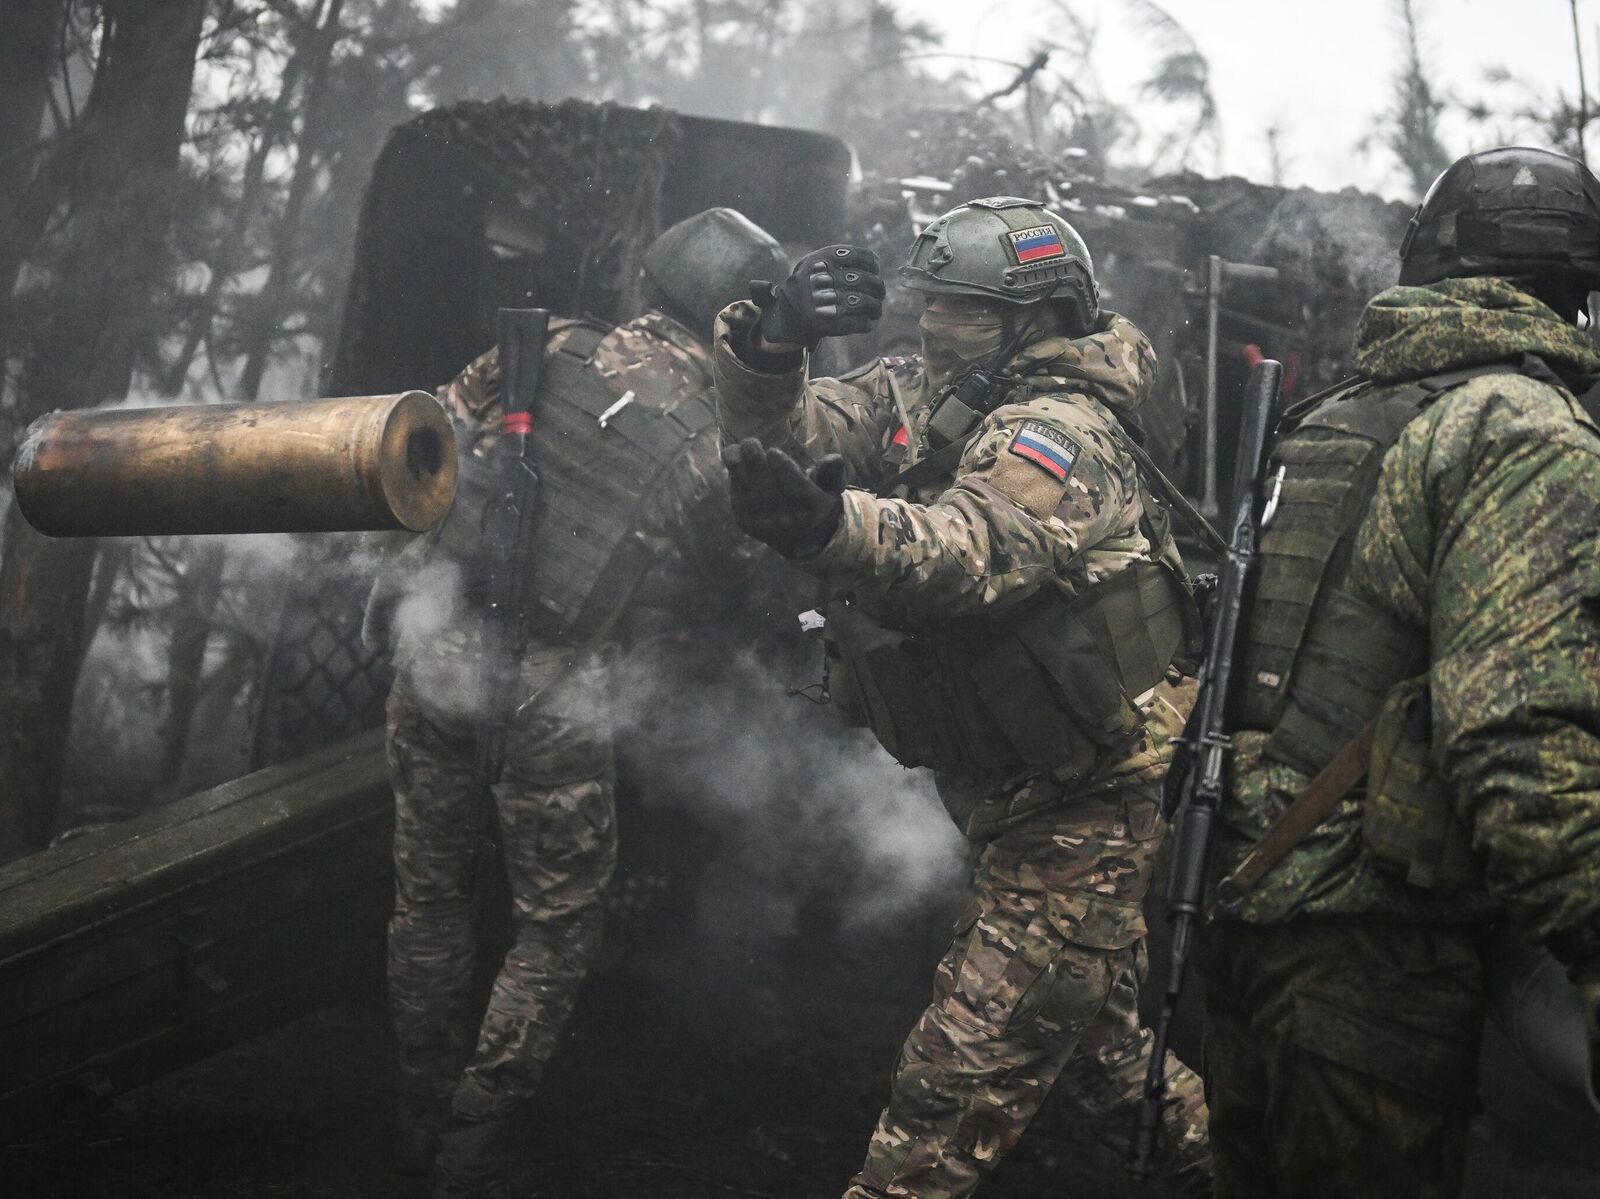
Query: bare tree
<point>44,46</point>
<point>1071,106</point>
<point>1583,87</point>
<point>1182,76</point>
<point>1410,127</point>
<point>112,257</point>
<point>30,33</point>
<point>1277,161</point>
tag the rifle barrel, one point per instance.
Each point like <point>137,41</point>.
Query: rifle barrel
<point>1208,745</point>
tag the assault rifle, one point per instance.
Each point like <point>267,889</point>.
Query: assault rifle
<point>508,518</point>
<point>1203,756</point>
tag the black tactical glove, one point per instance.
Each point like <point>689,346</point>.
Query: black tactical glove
<point>833,291</point>
<point>792,510</point>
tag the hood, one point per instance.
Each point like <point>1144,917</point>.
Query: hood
<point>1116,365</point>
<point>1409,332</point>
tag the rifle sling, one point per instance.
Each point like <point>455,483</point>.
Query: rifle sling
<point>1309,809</point>
<point>1175,499</point>
<point>941,462</point>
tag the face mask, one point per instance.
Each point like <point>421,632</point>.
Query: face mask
<point>953,343</point>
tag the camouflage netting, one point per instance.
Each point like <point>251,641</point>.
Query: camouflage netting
<point>503,203</point>
<point>588,178</point>
<point>1150,245</point>
<point>1139,239</point>
<point>509,203</point>
<point>484,204</point>
<point>471,207</point>
<point>1335,251</point>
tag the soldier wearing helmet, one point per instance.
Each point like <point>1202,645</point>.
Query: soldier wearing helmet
<point>1010,610</point>
<point>633,522</point>
<point>1428,587</point>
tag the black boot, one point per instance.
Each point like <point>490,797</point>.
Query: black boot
<point>418,1122</point>
<point>475,1159</point>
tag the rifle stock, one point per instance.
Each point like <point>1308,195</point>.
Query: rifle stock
<point>1207,743</point>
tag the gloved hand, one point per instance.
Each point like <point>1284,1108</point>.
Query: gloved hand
<point>833,291</point>
<point>775,501</point>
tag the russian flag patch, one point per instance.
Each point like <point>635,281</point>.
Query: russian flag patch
<point>1039,244</point>
<point>1046,447</point>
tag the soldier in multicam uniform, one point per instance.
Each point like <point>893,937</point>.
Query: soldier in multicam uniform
<point>632,531</point>
<point>1430,580</point>
<point>1011,608</point>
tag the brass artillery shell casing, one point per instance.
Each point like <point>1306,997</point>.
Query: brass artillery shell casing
<point>360,463</point>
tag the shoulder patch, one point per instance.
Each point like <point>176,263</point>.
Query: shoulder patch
<point>1045,446</point>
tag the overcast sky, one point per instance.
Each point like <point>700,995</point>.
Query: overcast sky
<point>1319,69</point>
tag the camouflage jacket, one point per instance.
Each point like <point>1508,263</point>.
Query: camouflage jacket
<point>687,519</point>
<point>1000,525</point>
<point>1482,537</point>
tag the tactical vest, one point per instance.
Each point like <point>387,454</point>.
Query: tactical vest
<point>1055,684</point>
<point>597,484</point>
<point>1320,663</point>
<point>1052,685</point>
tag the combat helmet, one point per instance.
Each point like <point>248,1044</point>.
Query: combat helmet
<point>701,265</point>
<point>1513,211</point>
<point>1005,248</point>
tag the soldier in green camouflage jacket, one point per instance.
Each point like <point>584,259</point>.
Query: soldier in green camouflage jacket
<point>992,503</point>
<point>1430,580</point>
<point>632,540</point>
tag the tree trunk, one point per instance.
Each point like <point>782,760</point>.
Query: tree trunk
<point>121,207</point>
<point>29,39</point>
<point>30,33</point>
<point>186,657</point>
<point>273,131</point>
<point>272,305</point>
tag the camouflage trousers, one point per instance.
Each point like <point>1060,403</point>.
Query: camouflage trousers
<point>1038,989</point>
<point>1341,1057</point>
<point>558,834</point>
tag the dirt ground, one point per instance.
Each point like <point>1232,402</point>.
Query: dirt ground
<point>727,1065</point>
<point>758,1072</point>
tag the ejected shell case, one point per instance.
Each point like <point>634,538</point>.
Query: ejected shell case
<point>367,462</point>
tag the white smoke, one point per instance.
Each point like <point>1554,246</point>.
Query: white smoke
<point>810,812</point>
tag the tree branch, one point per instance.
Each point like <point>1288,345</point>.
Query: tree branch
<point>1024,77</point>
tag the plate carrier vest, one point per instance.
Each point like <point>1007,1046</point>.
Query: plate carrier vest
<point>1320,664</point>
<point>597,484</point>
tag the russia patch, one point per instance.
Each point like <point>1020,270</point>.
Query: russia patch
<point>1043,446</point>
<point>1039,244</point>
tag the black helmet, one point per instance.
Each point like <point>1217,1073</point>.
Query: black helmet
<point>704,263</point>
<point>1513,211</point>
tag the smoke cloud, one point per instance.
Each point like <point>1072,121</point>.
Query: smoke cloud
<point>812,814</point>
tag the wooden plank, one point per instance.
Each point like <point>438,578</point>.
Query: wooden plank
<point>308,875</point>
<point>29,871</point>
<point>138,949</point>
<point>151,855</point>
<point>109,1038</point>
